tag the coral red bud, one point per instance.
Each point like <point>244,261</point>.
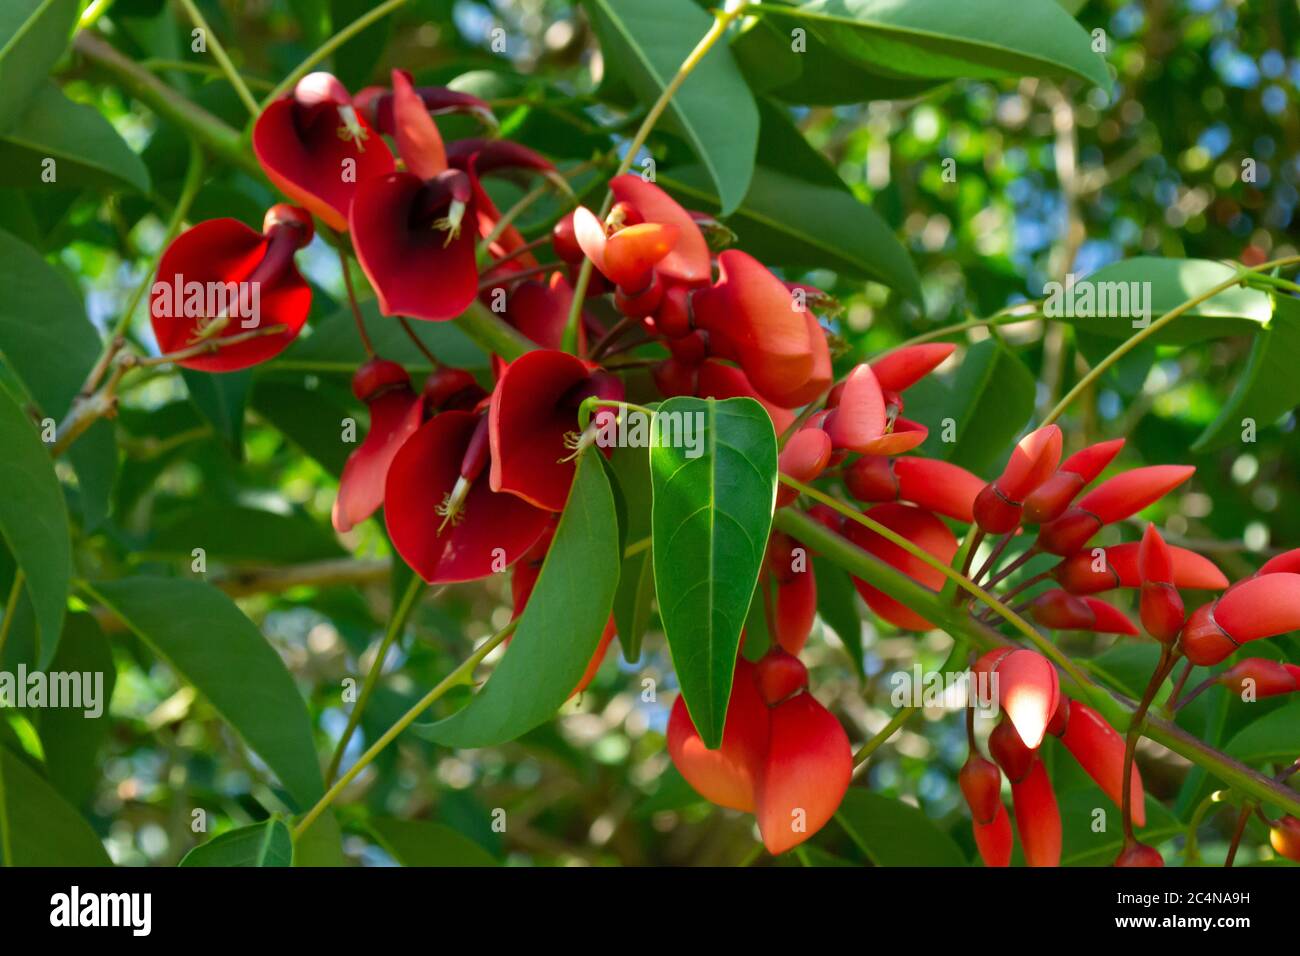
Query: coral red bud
<point>1010,751</point>
<point>1288,561</point>
<point>925,531</point>
<point>673,319</point>
<point>994,512</point>
<point>859,417</point>
<point>803,458</point>
<point>1260,607</point>
<point>452,389</point>
<point>1061,611</point>
<point>1109,619</point>
<point>1038,818</point>
<point>1155,562</point>
<point>639,304</point>
<point>1032,461</point>
<point>1137,854</point>
<point>690,350</point>
<point>1028,689</point>
<point>1060,717</point>
<point>1129,492</point>
<point>672,377</point>
<point>294,217</point>
<point>1046,502</point>
<point>1100,569</point>
<point>1285,838</point>
<point>994,840</point>
<point>564,242</point>
<point>809,764</point>
<point>1203,641</point>
<point>1099,750</point>
<point>938,486</point>
<point>729,775</point>
<point>1162,611</point>
<point>1068,533</point>
<point>779,675</point>
<point>872,478</point>
<point>796,609</point>
<point>827,516</point>
<point>1259,677</point>
<point>981,785</point>
<point>902,368</point>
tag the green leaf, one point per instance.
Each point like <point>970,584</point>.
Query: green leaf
<point>1164,284</point>
<point>34,523</point>
<point>37,827</point>
<point>636,580</point>
<point>1269,386</point>
<point>892,833</point>
<point>33,35</point>
<point>713,109</point>
<point>335,346</point>
<point>989,404</point>
<point>937,39</point>
<point>209,642</point>
<point>311,418</point>
<point>355,60</point>
<point>321,845</point>
<point>418,843</point>
<point>837,605</point>
<point>711,518</point>
<point>44,333</point>
<point>220,397</point>
<point>85,147</point>
<point>70,738</point>
<point>93,457</point>
<point>234,534</point>
<point>1082,845</point>
<point>263,844</point>
<point>799,214</point>
<point>559,629</point>
<point>1275,736</point>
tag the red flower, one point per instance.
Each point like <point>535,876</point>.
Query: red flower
<point>395,413</point>
<point>316,147</point>
<point>1161,605</point>
<point>1048,500</point>
<point>1100,569</point>
<point>443,518</point>
<point>935,485</point>
<point>1062,611</point>
<point>1099,750</point>
<point>221,279</point>
<point>1268,678</point>
<point>922,529</point>
<point>1113,500</point>
<point>999,506</point>
<point>1260,607</point>
<point>534,421</point>
<point>407,226</point>
<point>718,380</point>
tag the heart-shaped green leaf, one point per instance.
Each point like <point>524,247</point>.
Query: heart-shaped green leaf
<point>263,844</point>
<point>713,109</point>
<point>560,628</point>
<point>34,524</point>
<point>209,642</point>
<point>713,469</point>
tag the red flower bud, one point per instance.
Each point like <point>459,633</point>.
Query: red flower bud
<point>1161,605</point>
<point>1028,691</point>
<point>796,609</point>
<point>452,389</point>
<point>672,377</point>
<point>803,458</point>
<point>1288,561</point>
<point>1062,611</point>
<point>994,838</point>
<point>1100,569</point>
<point>541,311</point>
<point>1113,500</point>
<point>1032,461</point>
<point>926,532</point>
<point>446,524</point>
<point>1099,750</point>
<point>1038,819</point>
<point>1053,496</point>
<point>1137,854</point>
<point>564,242</point>
<point>729,775</point>
<point>903,368</point>
<point>809,764</point>
<point>690,350</point>
<point>1257,608</point>
<point>779,675</point>
<point>1285,838</point>
<point>716,380</point>
<point>1010,752</point>
<point>859,418</point>
<point>1266,678</point>
<point>872,478</point>
<point>938,486</point>
<point>981,785</point>
<point>673,319</point>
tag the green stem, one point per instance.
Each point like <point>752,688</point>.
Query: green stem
<point>1134,341</point>
<point>904,714</point>
<point>459,676</point>
<point>219,54</point>
<point>491,334</point>
<point>401,614</point>
<point>328,47</point>
<point>11,606</point>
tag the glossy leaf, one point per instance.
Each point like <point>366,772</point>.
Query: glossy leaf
<point>33,35</point>
<point>1268,386</point>
<point>94,458</point>
<point>934,39</point>
<point>311,418</point>
<point>209,642</point>
<point>837,606</point>
<point>1275,736</point>
<point>220,398</point>
<point>711,518</point>
<point>70,737</point>
<point>636,582</point>
<point>798,213</point>
<point>334,346</point>
<point>892,833</point>
<point>234,534</point>
<point>559,629</point>
<point>37,826</point>
<point>263,844</point>
<point>420,843</point>
<point>34,523</point>
<point>1083,844</point>
<point>713,109</point>
<point>85,148</point>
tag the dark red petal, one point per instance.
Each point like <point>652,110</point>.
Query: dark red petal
<point>421,476</point>
<point>394,417</point>
<point>414,271</point>
<point>418,141</point>
<point>302,153</point>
